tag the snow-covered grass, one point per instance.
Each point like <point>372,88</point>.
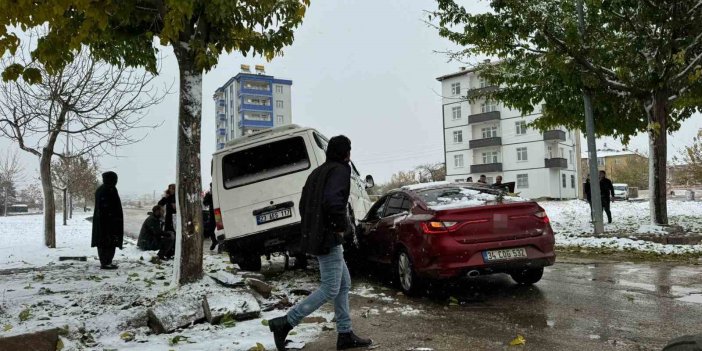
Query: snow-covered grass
<point>571,223</point>
<point>97,307</point>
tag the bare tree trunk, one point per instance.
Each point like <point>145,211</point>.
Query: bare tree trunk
<point>188,184</point>
<point>49,204</point>
<point>70,207</point>
<point>658,145</point>
<point>65,205</point>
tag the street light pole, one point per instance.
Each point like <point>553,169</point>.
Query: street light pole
<point>595,198</point>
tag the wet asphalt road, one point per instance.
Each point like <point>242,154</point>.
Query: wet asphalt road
<point>580,304</point>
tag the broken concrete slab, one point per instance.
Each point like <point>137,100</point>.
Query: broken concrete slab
<point>73,258</point>
<point>240,305</point>
<point>227,279</point>
<point>312,320</point>
<point>44,340</point>
<point>176,313</point>
<point>260,287</point>
<point>253,275</point>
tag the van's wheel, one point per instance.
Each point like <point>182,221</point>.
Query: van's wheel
<point>527,276</point>
<point>250,262</point>
<point>300,261</point>
<point>407,278</point>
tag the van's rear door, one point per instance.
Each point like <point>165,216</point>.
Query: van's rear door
<point>261,184</point>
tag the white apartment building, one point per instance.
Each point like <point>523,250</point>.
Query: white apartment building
<point>488,138</point>
<point>250,102</point>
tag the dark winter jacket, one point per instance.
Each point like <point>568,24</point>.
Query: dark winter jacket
<point>586,188</point>
<point>151,233</point>
<point>108,221</point>
<point>323,207</point>
<point>170,203</point>
<point>210,224</point>
<point>606,188</point>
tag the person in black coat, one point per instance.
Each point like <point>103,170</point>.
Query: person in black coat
<point>607,193</point>
<point>324,220</point>
<point>152,237</point>
<point>210,224</point>
<point>169,200</point>
<point>108,220</point>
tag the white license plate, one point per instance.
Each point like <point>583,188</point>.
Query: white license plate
<point>273,216</point>
<point>502,255</point>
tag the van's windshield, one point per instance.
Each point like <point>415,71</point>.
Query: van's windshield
<point>264,162</point>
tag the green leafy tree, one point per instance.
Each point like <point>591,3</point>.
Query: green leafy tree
<point>634,172</point>
<point>692,160</point>
<point>640,61</point>
<point>123,32</point>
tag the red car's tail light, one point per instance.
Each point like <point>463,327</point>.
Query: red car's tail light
<point>218,219</point>
<point>435,227</point>
<point>542,215</point>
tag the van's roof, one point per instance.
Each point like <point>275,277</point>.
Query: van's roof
<point>263,135</point>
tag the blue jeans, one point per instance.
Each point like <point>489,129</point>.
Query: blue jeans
<point>335,285</point>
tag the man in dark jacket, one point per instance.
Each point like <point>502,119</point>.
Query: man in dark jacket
<point>607,193</point>
<point>108,221</point>
<point>210,224</point>
<point>169,201</point>
<point>323,209</point>
<point>152,237</point>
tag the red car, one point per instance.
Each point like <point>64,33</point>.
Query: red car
<point>450,230</point>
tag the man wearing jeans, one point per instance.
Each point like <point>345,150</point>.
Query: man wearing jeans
<point>323,209</point>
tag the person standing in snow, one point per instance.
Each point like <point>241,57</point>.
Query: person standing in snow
<point>169,201</point>
<point>152,237</point>
<point>108,221</point>
<point>323,208</point>
<point>607,193</point>
<point>210,227</point>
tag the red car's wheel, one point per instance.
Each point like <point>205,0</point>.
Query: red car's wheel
<point>527,276</point>
<point>406,276</point>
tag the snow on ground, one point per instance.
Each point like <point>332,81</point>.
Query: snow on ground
<point>97,307</point>
<point>571,223</point>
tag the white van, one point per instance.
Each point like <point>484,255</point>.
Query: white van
<point>257,181</point>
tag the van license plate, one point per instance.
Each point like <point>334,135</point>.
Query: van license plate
<point>268,217</point>
<point>502,255</point>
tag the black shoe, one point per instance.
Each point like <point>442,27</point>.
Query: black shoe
<point>213,246</point>
<point>108,266</point>
<point>350,340</point>
<point>280,329</point>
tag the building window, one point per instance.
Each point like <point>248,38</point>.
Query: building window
<point>457,136</point>
<point>483,82</point>
<point>489,132</point>
<point>278,103</point>
<point>521,154</point>
<point>455,89</point>
<point>488,106</point>
<point>279,89</point>
<point>490,157</point>
<point>549,153</point>
<point>521,127</point>
<point>456,112</point>
<point>458,161</point>
<point>561,153</point>
<point>522,181</point>
<point>279,119</point>
<point>563,177</point>
<point>601,161</point>
<point>572,182</point>
<point>570,156</point>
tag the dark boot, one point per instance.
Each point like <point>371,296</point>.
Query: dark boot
<point>350,340</point>
<point>280,329</point>
<point>213,246</point>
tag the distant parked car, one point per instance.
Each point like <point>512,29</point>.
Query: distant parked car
<point>621,191</point>
<point>449,230</point>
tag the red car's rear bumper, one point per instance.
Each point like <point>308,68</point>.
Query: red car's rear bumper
<point>448,258</point>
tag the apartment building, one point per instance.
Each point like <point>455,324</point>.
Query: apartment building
<point>250,102</point>
<point>487,138</point>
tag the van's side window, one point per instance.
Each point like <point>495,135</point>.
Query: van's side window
<point>264,162</point>
<point>321,141</point>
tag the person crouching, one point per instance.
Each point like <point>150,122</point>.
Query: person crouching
<point>152,237</point>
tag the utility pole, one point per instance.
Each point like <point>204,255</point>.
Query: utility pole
<point>595,198</point>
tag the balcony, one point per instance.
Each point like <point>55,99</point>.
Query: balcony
<point>222,117</point>
<point>222,131</point>
<point>474,144</point>
<point>486,168</point>
<point>554,135</point>
<point>556,162</point>
<point>484,117</point>
<point>473,93</point>
<point>222,103</point>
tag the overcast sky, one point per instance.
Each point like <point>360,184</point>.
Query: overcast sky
<point>366,69</point>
